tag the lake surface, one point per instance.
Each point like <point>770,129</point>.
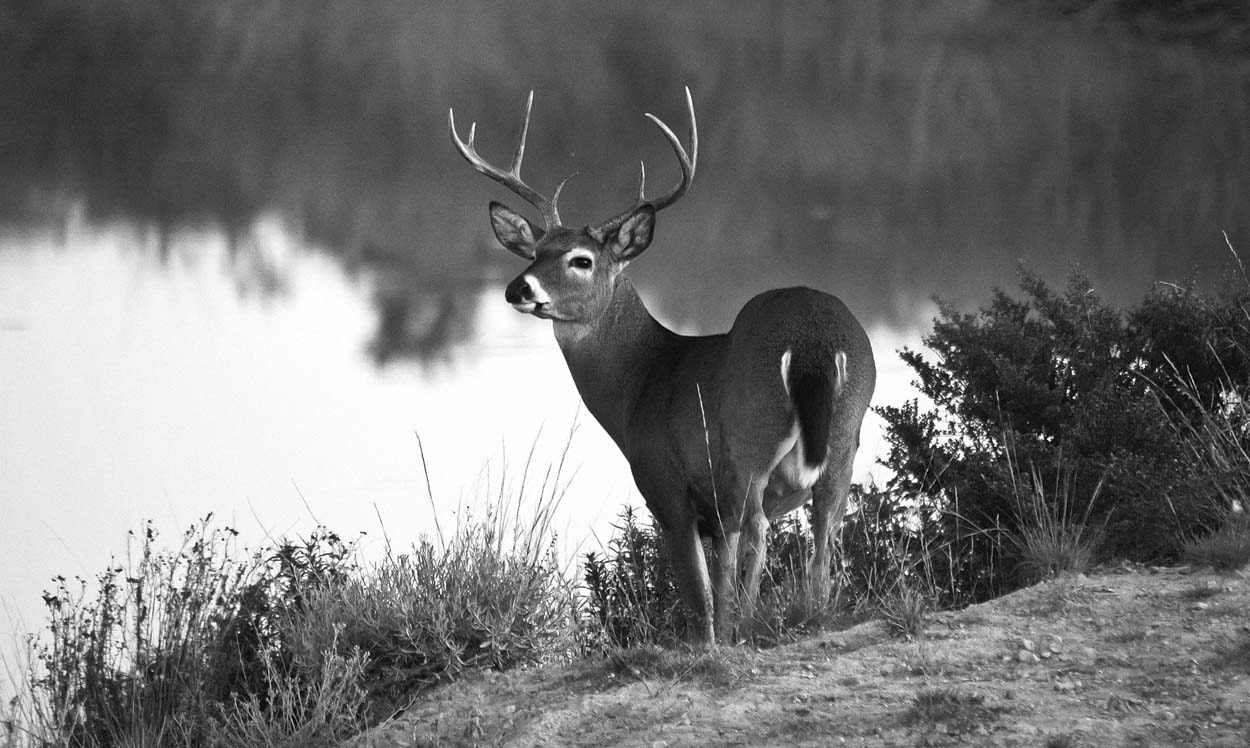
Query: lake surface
<point>242,268</point>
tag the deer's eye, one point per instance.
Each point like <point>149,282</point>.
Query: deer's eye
<point>581,262</point>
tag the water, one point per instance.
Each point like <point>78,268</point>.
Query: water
<point>242,268</point>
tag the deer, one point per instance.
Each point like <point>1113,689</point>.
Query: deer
<point>723,433</point>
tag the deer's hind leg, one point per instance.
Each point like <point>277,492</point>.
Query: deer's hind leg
<point>753,549</point>
<point>829,498</point>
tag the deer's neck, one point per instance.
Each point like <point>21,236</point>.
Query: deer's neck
<point>611,357</point>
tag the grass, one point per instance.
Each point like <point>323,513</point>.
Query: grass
<point>1227,549</point>
<point>208,644</point>
<point>1055,537</point>
<point>719,667</point>
<point>958,712</point>
<point>906,612</point>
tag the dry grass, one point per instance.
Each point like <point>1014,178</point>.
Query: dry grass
<point>1226,549</point>
<point>1055,536</point>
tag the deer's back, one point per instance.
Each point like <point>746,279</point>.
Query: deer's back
<point>716,407</point>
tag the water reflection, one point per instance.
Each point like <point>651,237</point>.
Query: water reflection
<point>883,151</point>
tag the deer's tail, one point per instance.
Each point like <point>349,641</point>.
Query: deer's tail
<point>814,386</point>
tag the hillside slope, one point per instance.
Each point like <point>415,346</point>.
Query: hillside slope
<point>1127,657</point>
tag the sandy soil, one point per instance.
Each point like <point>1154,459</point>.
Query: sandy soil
<point>1127,657</point>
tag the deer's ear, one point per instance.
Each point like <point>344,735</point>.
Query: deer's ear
<point>514,231</point>
<point>634,234</point>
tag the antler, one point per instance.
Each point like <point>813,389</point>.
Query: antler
<point>688,162</point>
<point>512,177</point>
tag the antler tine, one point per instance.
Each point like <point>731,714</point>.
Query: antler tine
<point>512,177</point>
<point>688,162</point>
<point>525,131</point>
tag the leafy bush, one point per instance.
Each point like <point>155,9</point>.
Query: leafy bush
<point>1065,385</point>
<point>173,642</point>
<point>632,591</point>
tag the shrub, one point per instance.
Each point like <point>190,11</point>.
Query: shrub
<point>632,591</point>
<point>1073,388</point>
<point>175,642</point>
<point>205,645</point>
<point>427,616</point>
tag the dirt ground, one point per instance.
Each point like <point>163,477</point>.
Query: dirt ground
<point>1125,657</point>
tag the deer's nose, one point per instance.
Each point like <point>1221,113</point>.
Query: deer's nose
<point>518,291</point>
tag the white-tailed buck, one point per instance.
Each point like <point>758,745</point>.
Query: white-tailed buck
<point>723,433</point>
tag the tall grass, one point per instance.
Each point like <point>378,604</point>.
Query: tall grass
<point>1054,536</point>
<point>1215,430</point>
<point>301,644</point>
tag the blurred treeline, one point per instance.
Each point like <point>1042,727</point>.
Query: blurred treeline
<point>889,149</point>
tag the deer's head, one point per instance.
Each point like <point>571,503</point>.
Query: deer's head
<point>572,271</point>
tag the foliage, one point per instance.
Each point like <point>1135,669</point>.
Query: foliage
<point>1061,383</point>
<point>632,590</point>
<point>1225,549</point>
<point>429,615</point>
<point>1055,537</point>
<point>300,646</point>
<point>173,642</point>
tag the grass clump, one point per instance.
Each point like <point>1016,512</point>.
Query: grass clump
<point>190,647</point>
<point>715,666</point>
<point>300,645</point>
<point>1226,549</point>
<point>959,712</point>
<point>906,611</point>
<point>1053,538</point>
<point>427,616</point>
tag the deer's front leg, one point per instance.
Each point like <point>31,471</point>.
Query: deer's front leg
<point>685,553</point>
<point>724,568</point>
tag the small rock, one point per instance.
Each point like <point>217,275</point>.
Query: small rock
<point>1200,606</point>
<point>1167,716</point>
<point>1027,657</point>
<point>1054,644</point>
<point>1026,644</point>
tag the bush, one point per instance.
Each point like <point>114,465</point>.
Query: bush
<point>427,616</point>
<point>632,592</point>
<point>1067,386</point>
<point>206,645</point>
<point>174,643</point>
